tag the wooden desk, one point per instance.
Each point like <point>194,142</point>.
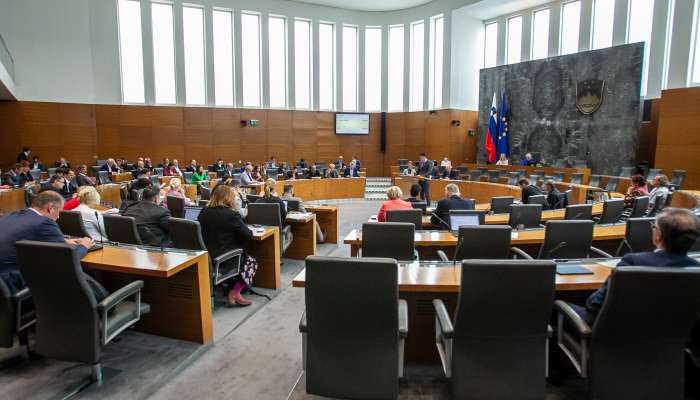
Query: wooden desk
<point>265,248</point>
<point>123,177</point>
<point>11,200</point>
<point>176,285</point>
<point>686,199</point>
<point>325,189</point>
<point>304,231</point>
<point>482,192</point>
<point>531,170</point>
<point>110,193</point>
<point>327,217</point>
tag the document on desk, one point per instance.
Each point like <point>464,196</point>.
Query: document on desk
<point>299,216</point>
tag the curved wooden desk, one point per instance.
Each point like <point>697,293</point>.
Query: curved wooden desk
<point>686,199</point>
<point>482,192</point>
<point>317,188</point>
<point>531,170</point>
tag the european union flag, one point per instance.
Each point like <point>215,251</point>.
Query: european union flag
<point>503,147</point>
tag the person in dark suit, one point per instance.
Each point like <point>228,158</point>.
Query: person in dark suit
<point>82,179</point>
<point>25,177</point>
<point>331,172</point>
<point>223,230</point>
<point>12,177</point>
<point>302,163</point>
<point>192,167</point>
<point>553,195</point>
<point>38,223</point>
<point>528,190</point>
<point>415,192</point>
<point>340,163</point>
<point>357,163</point>
<point>675,232</point>
<point>350,171</point>
<point>36,164</point>
<point>425,169</point>
<point>449,173</point>
<point>228,172</point>
<point>452,201</point>
<point>55,184</point>
<point>151,219</point>
<point>24,154</point>
<point>62,163</point>
<point>312,172</point>
<point>527,161</point>
<point>111,167</point>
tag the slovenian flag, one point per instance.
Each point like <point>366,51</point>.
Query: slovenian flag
<point>502,146</point>
<point>491,138</point>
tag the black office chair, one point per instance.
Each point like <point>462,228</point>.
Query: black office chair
<point>252,198</point>
<point>677,179</point>
<point>293,204</point>
<point>103,177</point>
<point>475,175</point>
<point>501,204</point>
<point>528,215</point>
<point>612,184</point>
<point>359,357</point>
<point>513,178</point>
<point>413,216</point>
<point>95,170</point>
<point>626,172</point>
<point>16,315</point>
<point>402,161</point>
<point>269,214</point>
<point>52,172</point>
<point>652,172</point>
<point>538,199</point>
<point>187,176</point>
<point>594,180</point>
<point>389,239</point>
<point>122,229</point>
<point>176,205</point>
<point>158,171</point>
<point>579,212</point>
<point>484,242</point>
<point>636,348</point>
<point>72,224</point>
<point>638,236</point>
<point>186,234</point>
<point>639,207</point>
<point>421,205</point>
<point>612,211</point>
<point>576,178</point>
<point>204,192</point>
<point>569,239</point>
<point>494,175</point>
<point>559,176</point>
<point>497,347</point>
<point>70,324</point>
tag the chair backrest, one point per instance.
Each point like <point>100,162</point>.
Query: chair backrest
<point>501,204</point>
<point>474,175</point>
<point>494,175</point>
<point>158,171</point>
<point>513,178</point>
<point>8,323</point>
<point>265,214</point>
<point>652,173</point>
<point>577,178</point>
<point>611,186</point>
<point>641,332</point>
<point>677,178</point>
<point>639,206</point>
<point>121,229</point>
<point>566,239</point>
<point>103,177</point>
<point>332,292</point>
<point>612,211</point>
<point>413,216</point>
<point>203,203</point>
<point>638,234</point>
<point>100,163</point>
<point>252,198</point>
<point>421,205</point>
<point>528,215</point>
<point>52,171</point>
<point>36,174</point>
<point>579,211</point>
<point>186,234</point>
<point>483,242</point>
<point>204,192</point>
<point>538,199</point>
<point>500,328</point>
<point>626,172</point>
<point>67,324</point>
<point>187,176</point>
<point>71,223</point>
<point>559,176</point>
<point>388,239</point>
<point>176,205</point>
<point>293,204</point>
<point>594,180</point>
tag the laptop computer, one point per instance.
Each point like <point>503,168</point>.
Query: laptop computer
<point>457,220</point>
<point>192,213</point>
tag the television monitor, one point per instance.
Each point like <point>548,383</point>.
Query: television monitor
<point>351,124</point>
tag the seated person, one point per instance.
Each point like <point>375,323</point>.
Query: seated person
<point>527,161</point>
<point>147,163</point>
<point>62,163</point>
<point>452,201</point>
<point>269,196</point>
<point>528,190</point>
<point>302,163</point>
<point>228,172</point>
<point>175,170</point>
<point>192,167</point>
<point>71,184</point>
<point>151,219</point>
<point>223,230</point>
<point>445,162</point>
<point>394,203</point>
<point>247,175</point>
<point>200,175</point>
<point>313,172</point>
<point>410,170</point>
<point>289,195</point>
<point>503,160</point>
<point>675,232</point>
<point>449,173</point>
<point>415,193</point>
<point>241,198</point>
<point>331,172</point>
<point>553,195</point>
<point>89,201</point>
<point>111,167</point>
<point>139,169</point>
<point>36,164</point>
<point>176,190</point>
<point>25,177</point>
<point>350,171</point>
<point>219,166</point>
<point>357,163</point>
<point>37,222</point>
<point>55,184</point>
<point>165,163</point>
<point>12,177</point>
<point>638,188</point>
<point>658,196</point>
<point>82,179</point>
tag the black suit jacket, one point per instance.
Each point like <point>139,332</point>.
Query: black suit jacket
<point>445,205</point>
<point>426,168</point>
<point>315,174</point>
<point>106,167</point>
<point>332,174</point>
<point>351,172</point>
<point>554,200</point>
<point>59,165</point>
<point>274,200</point>
<point>82,180</point>
<point>530,191</point>
<point>151,221</point>
<point>10,178</point>
<point>223,230</point>
<point>228,174</point>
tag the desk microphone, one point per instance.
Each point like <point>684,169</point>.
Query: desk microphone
<point>99,229</point>
<point>576,216</point>
<point>441,220</point>
<point>557,247</point>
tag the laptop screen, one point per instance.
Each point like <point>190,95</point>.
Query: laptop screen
<point>191,213</point>
<point>457,220</point>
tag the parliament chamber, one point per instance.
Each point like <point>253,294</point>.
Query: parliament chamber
<point>316,199</point>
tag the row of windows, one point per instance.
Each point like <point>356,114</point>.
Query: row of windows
<point>252,68</point>
<point>638,30</point>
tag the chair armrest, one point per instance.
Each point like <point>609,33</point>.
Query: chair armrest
<point>117,297</point>
<point>565,310</point>
<point>550,331</point>
<point>227,256</point>
<point>600,252</point>
<point>22,295</point>
<point>19,299</point>
<point>443,257</point>
<point>520,253</point>
<point>443,318</point>
<point>403,318</point>
<point>302,322</point>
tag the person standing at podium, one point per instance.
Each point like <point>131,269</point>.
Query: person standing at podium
<point>425,170</point>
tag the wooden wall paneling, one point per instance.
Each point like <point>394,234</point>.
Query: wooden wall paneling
<point>254,138</point>
<point>9,133</point>
<point>226,135</point>
<point>437,134</point>
<point>279,135</point>
<point>108,136</point>
<point>647,134</point>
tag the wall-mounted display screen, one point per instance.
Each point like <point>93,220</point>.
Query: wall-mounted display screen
<point>351,124</point>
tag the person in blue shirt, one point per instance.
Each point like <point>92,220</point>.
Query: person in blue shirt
<point>527,161</point>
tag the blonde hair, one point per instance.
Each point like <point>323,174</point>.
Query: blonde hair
<point>88,195</point>
<point>394,193</point>
<point>175,183</point>
<point>222,196</point>
<point>269,187</point>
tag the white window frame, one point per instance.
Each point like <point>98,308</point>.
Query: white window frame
<point>286,59</point>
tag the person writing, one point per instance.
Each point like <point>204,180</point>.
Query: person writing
<point>394,194</point>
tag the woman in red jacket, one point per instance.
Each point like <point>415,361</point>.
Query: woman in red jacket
<point>394,203</point>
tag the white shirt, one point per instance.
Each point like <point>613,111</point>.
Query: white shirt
<point>90,220</point>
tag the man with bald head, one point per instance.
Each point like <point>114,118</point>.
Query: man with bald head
<point>111,167</point>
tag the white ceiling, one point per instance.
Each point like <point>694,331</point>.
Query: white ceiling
<point>368,5</point>
<point>487,9</point>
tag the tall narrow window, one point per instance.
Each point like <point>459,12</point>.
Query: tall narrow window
<point>437,25</point>
<point>639,30</point>
<point>302,63</point>
<point>222,25</point>
<point>278,61</point>
<point>350,68</point>
<point>490,45</point>
<point>417,65</point>
<point>603,13</point>
<point>514,40</point>
<point>326,66</point>
<point>540,34</point>
<point>395,68</point>
<point>193,34</point>
<point>250,54</point>
<point>695,77</point>
<point>570,24</point>
<point>131,51</point>
<point>373,69</point>
<point>163,52</point>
